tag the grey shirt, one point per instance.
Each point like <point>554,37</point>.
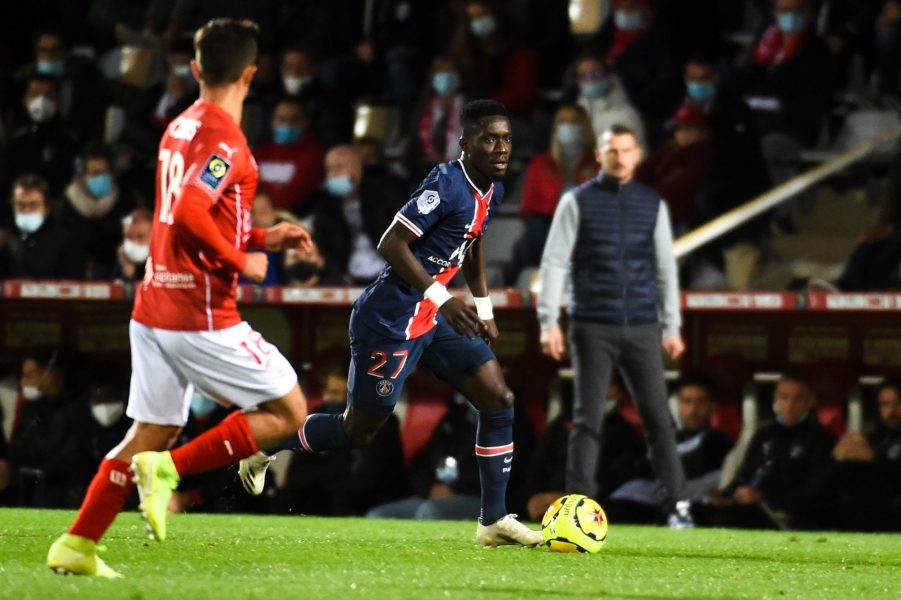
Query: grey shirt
<point>558,251</point>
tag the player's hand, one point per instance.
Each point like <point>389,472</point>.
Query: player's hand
<point>256,266</point>
<point>463,318</point>
<point>552,343</point>
<point>747,495</point>
<point>491,332</point>
<point>674,346</point>
<point>284,235</point>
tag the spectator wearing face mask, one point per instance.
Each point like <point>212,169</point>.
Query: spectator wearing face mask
<point>679,168</point>
<point>44,144</point>
<point>42,432</point>
<point>350,219</point>
<point>39,246</point>
<point>569,162</point>
<point>291,165</point>
<point>788,84</point>
<point>328,110</point>
<point>148,118</point>
<point>740,172</point>
<point>93,208</point>
<point>601,93</point>
<point>132,253</point>
<point>83,95</point>
<point>492,63</point>
<point>101,421</point>
<point>438,126</point>
<point>638,47</point>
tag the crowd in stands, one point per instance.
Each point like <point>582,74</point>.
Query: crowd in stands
<point>355,101</point>
<point>793,466</point>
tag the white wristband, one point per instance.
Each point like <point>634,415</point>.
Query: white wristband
<point>483,307</point>
<point>438,294</point>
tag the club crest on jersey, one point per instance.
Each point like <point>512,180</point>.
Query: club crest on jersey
<point>384,388</point>
<point>427,202</point>
<point>215,171</point>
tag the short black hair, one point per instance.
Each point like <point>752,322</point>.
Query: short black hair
<point>224,48</point>
<point>797,376</point>
<point>620,129</point>
<point>476,110</point>
<point>699,379</point>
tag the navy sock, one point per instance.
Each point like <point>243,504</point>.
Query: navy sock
<point>321,431</point>
<point>494,453</point>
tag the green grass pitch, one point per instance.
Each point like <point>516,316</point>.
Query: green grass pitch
<point>269,557</point>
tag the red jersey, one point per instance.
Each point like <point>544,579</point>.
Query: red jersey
<point>205,184</point>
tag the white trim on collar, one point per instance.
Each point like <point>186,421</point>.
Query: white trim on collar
<point>475,187</point>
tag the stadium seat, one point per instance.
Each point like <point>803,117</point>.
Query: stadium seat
<point>530,377</point>
<point>427,402</point>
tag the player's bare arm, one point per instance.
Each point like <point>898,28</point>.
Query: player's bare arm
<point>288,236</point>
<point>476,278</point>
<point>395,249</point>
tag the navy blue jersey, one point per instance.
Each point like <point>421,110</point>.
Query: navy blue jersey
<point>447,213</point>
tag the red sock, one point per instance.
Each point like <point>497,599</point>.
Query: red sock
<point>105,499</point>
<point>225,444</point>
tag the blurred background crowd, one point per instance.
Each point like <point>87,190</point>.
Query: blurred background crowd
<point>353,103</point>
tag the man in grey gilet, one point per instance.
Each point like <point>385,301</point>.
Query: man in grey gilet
<point>614,237</point>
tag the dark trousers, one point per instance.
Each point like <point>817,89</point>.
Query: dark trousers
<point>634,350</point>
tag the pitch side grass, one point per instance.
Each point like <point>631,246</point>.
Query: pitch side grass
<point>277,558</point>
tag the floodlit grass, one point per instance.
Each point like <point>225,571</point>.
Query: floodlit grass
<point>240,556</point>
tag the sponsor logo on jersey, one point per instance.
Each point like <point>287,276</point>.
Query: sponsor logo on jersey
<point>440,261</point>
<point>384,388</point>
<point>427,202</point>
<point>215,171</point>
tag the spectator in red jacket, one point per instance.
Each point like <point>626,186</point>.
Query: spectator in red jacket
<point>677,169</point>
<point>569,162</point>
<point>292,164</point>
<point>438,127</point>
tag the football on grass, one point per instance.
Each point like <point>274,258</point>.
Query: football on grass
<point>574,523</point>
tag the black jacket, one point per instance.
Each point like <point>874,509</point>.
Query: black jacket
<point>51,252</point>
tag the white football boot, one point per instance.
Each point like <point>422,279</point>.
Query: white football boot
<point>252,472</point>
<point>505,531</point>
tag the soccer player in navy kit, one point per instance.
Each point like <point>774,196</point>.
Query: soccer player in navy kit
<point>407,316</point>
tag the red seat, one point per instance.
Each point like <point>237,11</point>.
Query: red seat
<point>832,381</point>
<point>427,402</point>
<point>530,376</point>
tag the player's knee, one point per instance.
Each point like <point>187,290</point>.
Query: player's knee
<point>498,397</point>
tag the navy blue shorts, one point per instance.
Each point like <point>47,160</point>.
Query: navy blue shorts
<point>379,365</point>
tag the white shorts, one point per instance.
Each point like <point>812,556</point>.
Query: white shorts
<point>234,366</point>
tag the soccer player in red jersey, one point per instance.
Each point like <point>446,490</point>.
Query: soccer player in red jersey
<point>186,331</point>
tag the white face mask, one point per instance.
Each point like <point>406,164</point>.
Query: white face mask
<point>31,392</point>
<point>107,414</point>
<point>136,253</point>
<point>42,108</point>
<point>294,84</point>
<point>29,222</point>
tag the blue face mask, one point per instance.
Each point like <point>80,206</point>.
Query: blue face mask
<point>445,83</point>
<point>201,405</point>
<point>627,20</point>
<point>595,89</point>
<point>569,134</point>
<point>51,67</point>
<point>791,22</point>
<point>285,134</point>
<point>340,185</point>
<point>100,185</point>
<point>700,92</point>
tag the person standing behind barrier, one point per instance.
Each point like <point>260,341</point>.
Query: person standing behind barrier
<point>616,235</point>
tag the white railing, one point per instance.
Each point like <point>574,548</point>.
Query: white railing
<point>740,215</point>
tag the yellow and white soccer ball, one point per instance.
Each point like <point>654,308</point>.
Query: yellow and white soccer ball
<point>574,523</point>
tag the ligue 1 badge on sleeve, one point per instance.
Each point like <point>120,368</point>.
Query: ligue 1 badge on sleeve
<point>427,202</point>
<point>384,388</point>
<point>214,172</point>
